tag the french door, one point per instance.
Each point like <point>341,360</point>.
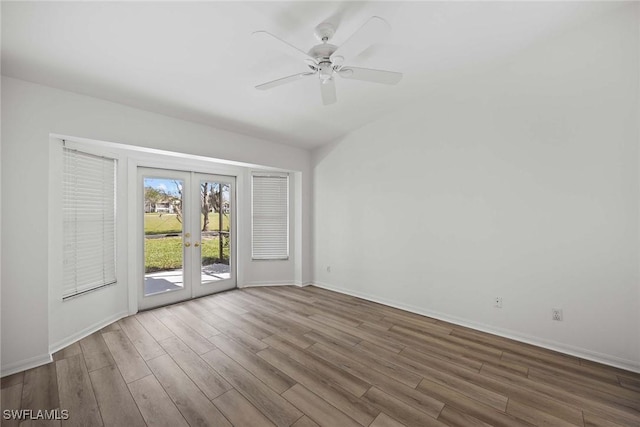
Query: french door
<point>188,235</point>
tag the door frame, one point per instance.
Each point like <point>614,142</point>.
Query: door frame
<point>134,243</point>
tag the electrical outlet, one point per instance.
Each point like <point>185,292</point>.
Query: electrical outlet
<point>556,314</point>
<point>497,302</point>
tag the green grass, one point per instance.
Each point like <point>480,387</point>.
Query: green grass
<point>155,223</point>
<point>165,253</point>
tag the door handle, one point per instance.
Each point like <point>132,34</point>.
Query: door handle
<point>187,244</point>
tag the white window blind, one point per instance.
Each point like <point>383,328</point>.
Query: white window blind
<point>270,216</point>
<point>89,212</point>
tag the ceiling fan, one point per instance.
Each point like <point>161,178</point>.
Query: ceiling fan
<point>326,60</point>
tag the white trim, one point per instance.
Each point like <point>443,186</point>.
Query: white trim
<point>86,332</point>
<point>261,284</point>
<point>23,365</point>
<point>302,284</point>
<point>176,155</point>
<point>582,353</point>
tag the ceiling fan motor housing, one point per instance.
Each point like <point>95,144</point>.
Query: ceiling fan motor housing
<point>322,52</point>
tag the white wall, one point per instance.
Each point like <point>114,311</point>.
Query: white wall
<point>30,113</point>
<point>518,180</point>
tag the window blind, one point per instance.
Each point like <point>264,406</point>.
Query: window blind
<point>89,215</point>
<point>270,216</point>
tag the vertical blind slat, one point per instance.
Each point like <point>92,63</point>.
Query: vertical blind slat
<point>89,227</point>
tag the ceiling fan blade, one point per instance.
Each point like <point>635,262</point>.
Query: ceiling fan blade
<point>328,91</point>
<point>284,80</point>
<point>369,75</point>
<point>282,45</point>
<point>374,30</point>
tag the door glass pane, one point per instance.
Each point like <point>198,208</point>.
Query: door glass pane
<point>215,231</point>
<point>163,248</point>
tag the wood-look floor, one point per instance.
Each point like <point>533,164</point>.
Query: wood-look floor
<point>309,357</point>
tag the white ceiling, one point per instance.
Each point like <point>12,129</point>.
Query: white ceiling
<point>198,61</point>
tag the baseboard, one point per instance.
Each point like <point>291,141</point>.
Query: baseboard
<point>259,284</point>
<point>303,284</point>
<point>582,353</point>
<point>86,331</point>
<point>23,365</point>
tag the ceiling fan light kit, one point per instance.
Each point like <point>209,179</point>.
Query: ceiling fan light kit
<point>326,60</point>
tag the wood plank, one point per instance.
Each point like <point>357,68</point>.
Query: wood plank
<point>455,418</point>
<point>116,404</point>
<point>131,365</point>
<point>11,380</point>
<point>379,364</point>
<point>533,398</point>
<point>76,392</point>
<point>156,406</point>
<point>247,340</point>
<point>238,321</point>
<point>591,420</point>
<point>317,409</point>
<point>441,345</point>
<point>240,411</point>
<point>387,384</point>
<point>40,388</point>
<point>222,301</point>
<point>10,398</point>
<point>190,401</point>
<point>159,312</point>
<point>278,325</point>
<point>606,393</point>
<point>505,344</point>
<point>336,307</point>
<point>384,420</point>
<point>255,305</point>
<point>322,338</point>
<point>71,350</point>
<point>205,377</point>
<point>398,409</point>
<point>360,411</point>
<point>96,353</point>
<point>443,336</point>
<point>110,327</point>
<point>362,334</point>
<point>620,415</point>
<point>188,335</point>
<point>261,369</point>
<point>597,366</point>
<point>320,328</point>
<point>340,378</point>
<point>292,293</point>
<point>424,365</point>
<point>146,345</point>
<point>535,416</point>
<point>469,406</point>
<point>629,383</point>
<point>415,350</point>
<point>415,361</point>
<point>559,367</point>
<point>155,328</point>
<point>305,422</point>
<point>270,403</point>
<point>197,324</point>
